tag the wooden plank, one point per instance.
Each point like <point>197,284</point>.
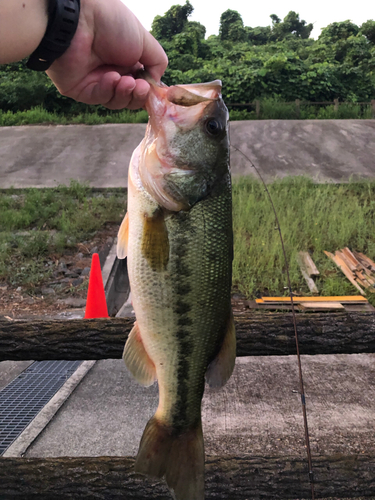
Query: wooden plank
<point>321,305</point>
<point>306,259</point>
<point>364,260</point>
<point>297,300</point>
<point>257,334</point>
<point>227,478</point>
<point>366,307</point>
<point>344,268</point>
<point>305,270</point>
<point>349,259</point>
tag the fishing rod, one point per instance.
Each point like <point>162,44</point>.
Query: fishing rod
<point>302,387</point>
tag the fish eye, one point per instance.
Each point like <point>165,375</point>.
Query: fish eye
<point>213,127</point>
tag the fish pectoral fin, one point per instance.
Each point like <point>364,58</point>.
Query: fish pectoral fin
<point>155,241</point>
<point>178,457</point>
<point>137,361</point>
<point>122,238</point>
<point>221,368</point>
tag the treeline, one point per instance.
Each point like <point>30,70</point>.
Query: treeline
<point>279,62</point>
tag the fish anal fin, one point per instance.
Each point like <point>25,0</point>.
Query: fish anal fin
<point>221,367</point>
<point>155,241</point>
<point>122,238</point>
<point>180,458</point>
<point>137,360</point>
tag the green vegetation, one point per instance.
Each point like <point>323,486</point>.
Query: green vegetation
<point>37,225</point>
<point>274,64</point>
<point>39,115</point>
<point>270,109</point>
<point>314,218</point>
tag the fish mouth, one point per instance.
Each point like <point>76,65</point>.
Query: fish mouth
<point>163,101</point>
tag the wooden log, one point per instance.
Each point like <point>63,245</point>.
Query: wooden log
<point>227,478</point>
<point>258,334</point>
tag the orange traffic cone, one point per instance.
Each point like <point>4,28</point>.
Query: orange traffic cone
<point>96,305</point>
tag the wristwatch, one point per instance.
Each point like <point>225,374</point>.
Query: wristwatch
<point>62,24</point>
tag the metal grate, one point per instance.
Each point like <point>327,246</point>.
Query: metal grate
<point>26,395</point>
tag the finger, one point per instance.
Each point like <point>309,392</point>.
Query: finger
<point>153,58</point>
<point>101,90</point>
<point>127,97</point>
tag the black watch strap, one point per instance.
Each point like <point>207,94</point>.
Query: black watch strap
<point>63,18</point>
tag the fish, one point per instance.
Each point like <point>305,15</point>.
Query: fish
<point>178,239</point>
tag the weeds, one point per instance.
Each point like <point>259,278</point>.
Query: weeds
<point>270,109</point>
<point>39,115</point>
<point>313,217</point>
<point>37,223</point>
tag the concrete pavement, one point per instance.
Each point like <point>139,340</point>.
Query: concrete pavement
<point>258,412</point>
<point>322,149</point>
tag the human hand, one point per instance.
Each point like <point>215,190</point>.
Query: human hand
<point>108,48</point>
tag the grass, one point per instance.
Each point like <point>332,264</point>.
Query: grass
<point>39,115</point>
<point>313,217</point>
<point>36,224</point>
<point>270,109</point>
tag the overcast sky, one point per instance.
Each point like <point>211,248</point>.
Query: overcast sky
<point>319,12</point>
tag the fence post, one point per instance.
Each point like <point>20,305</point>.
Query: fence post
<point>257,108</point>
<point>336,101</point>
<point>373,107</point>
<point>298,109</point>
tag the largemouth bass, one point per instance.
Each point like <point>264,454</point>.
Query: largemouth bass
<point>177,236</point>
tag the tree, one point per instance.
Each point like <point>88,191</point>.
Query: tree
<point>368,29</point>
<point>336,32</point>
<point>291,25</point>
<point>173,21</point>
<point>231,26</point>
<point>259,35</point>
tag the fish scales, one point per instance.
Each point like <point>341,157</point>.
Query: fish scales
<point>187,303</point>
<point>178,238</point>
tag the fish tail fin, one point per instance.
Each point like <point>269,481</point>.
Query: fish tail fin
<point>178,457</point>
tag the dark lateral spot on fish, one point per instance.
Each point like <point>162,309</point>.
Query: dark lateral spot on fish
<point>184,321</point>
<point>183,289</point>
<point>182,307</point>
<point>180,416</point>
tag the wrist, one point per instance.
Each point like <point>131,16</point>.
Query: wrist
<point>22,26</point>
<point>63,16</point>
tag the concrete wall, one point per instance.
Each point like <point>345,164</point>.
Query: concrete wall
<point>49,155</point>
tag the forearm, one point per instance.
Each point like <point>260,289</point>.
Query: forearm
<point>22,27</point>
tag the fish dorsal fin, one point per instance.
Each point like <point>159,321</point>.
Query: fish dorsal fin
<point>136,359</point>
<point>221,368</point>
<point>122,238</point>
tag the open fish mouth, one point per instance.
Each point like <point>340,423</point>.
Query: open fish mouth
<point>163,101</point>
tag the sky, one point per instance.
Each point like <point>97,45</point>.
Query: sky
<point>319,12</point>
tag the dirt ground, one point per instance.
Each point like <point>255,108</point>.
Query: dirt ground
<point>64,288</point>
